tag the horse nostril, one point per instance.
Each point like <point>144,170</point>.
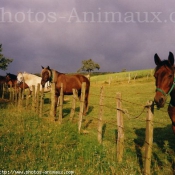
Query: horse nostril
<point>161,100</point>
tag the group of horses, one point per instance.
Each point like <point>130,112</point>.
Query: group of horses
<point>25,80</point>
<point>164,78</point>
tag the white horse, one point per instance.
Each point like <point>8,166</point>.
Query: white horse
<point>31,79</point>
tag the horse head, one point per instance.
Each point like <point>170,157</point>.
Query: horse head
<point>164,76</point>
<point>20,78</point>
<point>7,77</point>
<point>46,75</point>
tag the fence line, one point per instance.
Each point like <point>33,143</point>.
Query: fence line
<point>126,112</point>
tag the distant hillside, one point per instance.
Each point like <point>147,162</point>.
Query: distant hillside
<point>121,76</point>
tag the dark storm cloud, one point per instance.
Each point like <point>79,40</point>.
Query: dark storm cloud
<point>116,34</point>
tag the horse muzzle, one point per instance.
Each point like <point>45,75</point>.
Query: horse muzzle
<point>19,82</point>
<point>160,100</point>
<point>43,83</point>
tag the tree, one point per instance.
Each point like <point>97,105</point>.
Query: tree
<point>4,62</point>
<point>89,66</point>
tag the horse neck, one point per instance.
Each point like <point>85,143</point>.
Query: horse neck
<point>13,82</point>
<point>54,75</point>
<point>172,95</point>
<point>26,76</point>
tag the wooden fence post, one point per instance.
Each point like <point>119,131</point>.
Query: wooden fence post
<point>19,100</point>
<point>72,113</point>
<point>33,97</point>
<point>129,77</point>
<point>23,90</point>
<point>52,109</point>
<point>27,98</point>
<point>99,137</point>
<point>16,92</point>
<point>12,90</point>
<point>41,102</point>
<point>120,138</point>
<point>10,97</point>
<point>37,98</point>
<point>83,88</point>
<point>61,104</point>
<point>3,90</point>
<point>149,138</point>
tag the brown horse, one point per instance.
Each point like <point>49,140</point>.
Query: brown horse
<point>69,82</point>
<point>11,79</point>
<point>165,83</point>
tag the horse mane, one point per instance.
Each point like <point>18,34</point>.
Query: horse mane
<point>12,76</point>
<point>28,75</point>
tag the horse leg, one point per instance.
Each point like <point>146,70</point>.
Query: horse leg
<point>86,107</point>
<point>171,112</point>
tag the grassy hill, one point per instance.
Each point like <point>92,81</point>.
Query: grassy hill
<point>28,142</point>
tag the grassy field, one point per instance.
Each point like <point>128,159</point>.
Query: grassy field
<point>30,143</point>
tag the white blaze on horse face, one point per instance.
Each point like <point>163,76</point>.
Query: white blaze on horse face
<point>20,78</point>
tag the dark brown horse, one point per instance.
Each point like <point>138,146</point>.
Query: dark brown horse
<point>69,82</point>
<point>165,83</point>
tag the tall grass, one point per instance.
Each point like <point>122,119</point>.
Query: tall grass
<point>32,143</point>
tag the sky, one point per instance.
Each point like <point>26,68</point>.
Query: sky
<point>116,34</point>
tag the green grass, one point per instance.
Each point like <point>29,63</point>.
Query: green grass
<point>28,142</point>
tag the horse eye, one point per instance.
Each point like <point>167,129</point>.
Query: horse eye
<point>170,76</point>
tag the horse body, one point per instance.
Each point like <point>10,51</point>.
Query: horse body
<point>165,83</point>
<point>69,82</point>
<point>30,80</point>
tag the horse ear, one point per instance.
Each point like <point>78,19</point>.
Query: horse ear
<point>171,58</point>
<point>157,60</point>
<point>48,67</point>
<point>42,67</point>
